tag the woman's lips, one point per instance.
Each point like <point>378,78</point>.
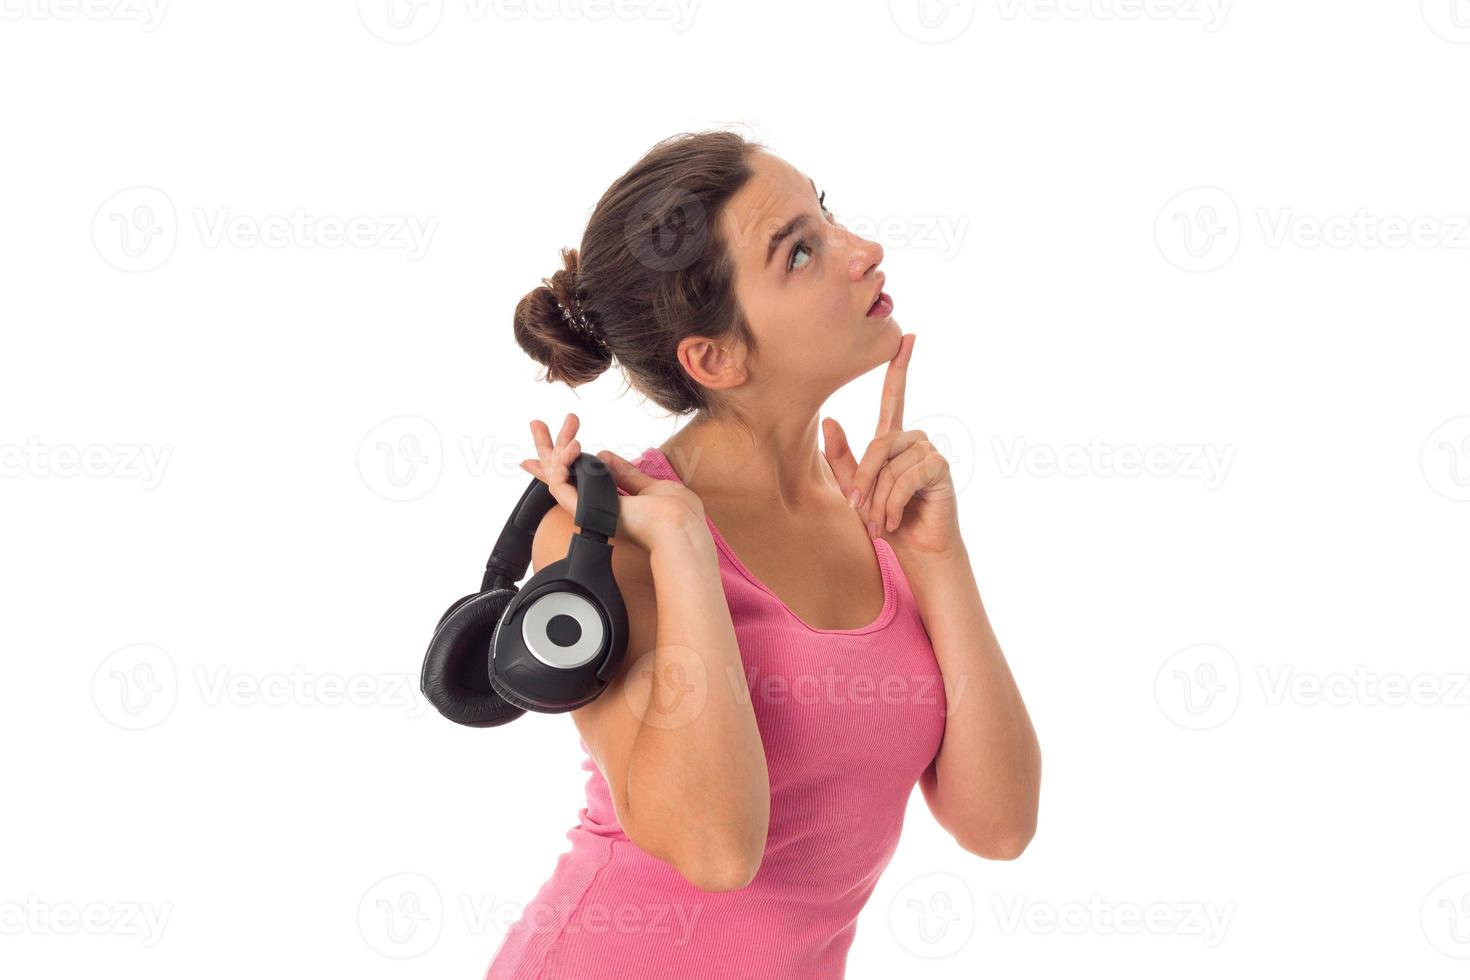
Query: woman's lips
<point>882,306</point>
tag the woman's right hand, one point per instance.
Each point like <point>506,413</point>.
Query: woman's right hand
<point>652,508</point>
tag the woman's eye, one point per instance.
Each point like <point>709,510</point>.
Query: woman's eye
<point>803,245</point>
<point>799,247</point>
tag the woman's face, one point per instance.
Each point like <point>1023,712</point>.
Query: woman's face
<point>806,293</point>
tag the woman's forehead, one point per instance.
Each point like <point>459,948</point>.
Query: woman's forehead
<point>776,193</point>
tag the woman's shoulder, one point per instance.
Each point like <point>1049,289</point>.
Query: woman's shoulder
<point>653,463</point>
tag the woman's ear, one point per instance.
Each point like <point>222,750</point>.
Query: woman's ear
<point>713,364</point>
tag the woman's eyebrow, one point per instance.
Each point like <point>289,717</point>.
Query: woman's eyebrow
<point>788,228</point>
<point>783,232</point>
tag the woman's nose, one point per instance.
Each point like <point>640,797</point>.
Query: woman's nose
<point>865,255</point>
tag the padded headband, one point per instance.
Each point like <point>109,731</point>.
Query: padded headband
<point>597,516</point>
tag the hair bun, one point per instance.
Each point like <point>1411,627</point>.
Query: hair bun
<point>552,327</point>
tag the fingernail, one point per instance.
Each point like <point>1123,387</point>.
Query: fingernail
<point>872,529</point>
<point>854,497</point>
<point>891,526</point>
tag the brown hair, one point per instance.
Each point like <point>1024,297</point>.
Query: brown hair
<point>653,269</point>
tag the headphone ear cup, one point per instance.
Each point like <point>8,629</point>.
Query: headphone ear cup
<point>450,611</point>
<point>456,675</point>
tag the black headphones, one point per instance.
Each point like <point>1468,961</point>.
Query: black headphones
<point>550,646</point>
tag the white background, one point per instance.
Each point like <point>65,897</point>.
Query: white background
<point>243,477</point>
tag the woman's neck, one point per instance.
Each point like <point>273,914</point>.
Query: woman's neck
<point>775,464</point>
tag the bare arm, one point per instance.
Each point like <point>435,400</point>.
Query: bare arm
<point>985,783</point>
<point>674,734</point>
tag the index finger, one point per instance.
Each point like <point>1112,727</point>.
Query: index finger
<point>890,412</point>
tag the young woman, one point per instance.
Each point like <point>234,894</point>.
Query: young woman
<point>807,640</point>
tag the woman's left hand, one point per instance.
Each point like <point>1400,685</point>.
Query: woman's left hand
<point>905,491</point>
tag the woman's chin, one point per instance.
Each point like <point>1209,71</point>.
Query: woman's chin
<point>891,335</point>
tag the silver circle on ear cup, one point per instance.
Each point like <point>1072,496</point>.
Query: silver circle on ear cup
<point>536,632</point>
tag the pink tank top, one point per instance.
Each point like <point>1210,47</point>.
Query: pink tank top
<point>849,719</point>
